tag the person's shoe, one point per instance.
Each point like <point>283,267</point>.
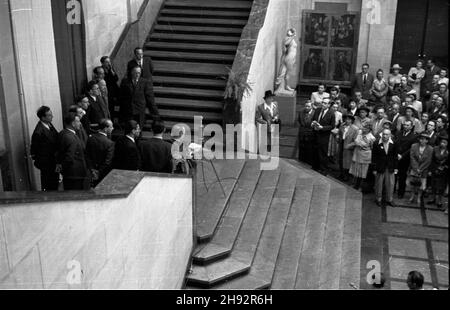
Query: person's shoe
<point>391,204</point>
<point>431,202</point>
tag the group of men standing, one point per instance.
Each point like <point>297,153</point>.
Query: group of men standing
<point>83,153</point>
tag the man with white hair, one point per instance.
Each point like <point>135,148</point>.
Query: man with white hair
<point>385,160</point>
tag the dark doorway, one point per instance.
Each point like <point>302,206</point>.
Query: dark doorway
<point>70,54</point>
<point>421,30</point>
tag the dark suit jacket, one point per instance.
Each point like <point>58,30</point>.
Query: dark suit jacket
<point>394,122</point>
<point>404,144</point>
<point>71,155</point>
<point>100,153</point>
<point>126,155</point>
<point>304,119</point>
<point>111,82</point>
<point>44,146</point>
<point>328,122</point>
<point>428,78</point>
<point>156,155</point>
<point>147,69</point>
<point>383,161</point>
<point>134,100</point>
<point>97,111</point>
<point>358,84</point>
<point>263,115</point>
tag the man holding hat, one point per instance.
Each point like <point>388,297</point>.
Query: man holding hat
<point>268,113</point>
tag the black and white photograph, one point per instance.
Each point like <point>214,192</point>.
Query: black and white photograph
<point>224,151</point>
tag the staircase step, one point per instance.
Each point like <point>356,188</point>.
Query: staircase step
<point>188,104</point>
<point>160,80</point>
<point>263,264</point>
<point>188,93</point>
<point>193,38</point>
<point>225,31</point>
<point>308,272</point>
<point>211,4</point>
<point>227,231</point>
<point>190,68</point>
<point>351,243</point>
<point>245,247</point>
<point>211,206</point>
<point>184,56</point>
<point>191,47</point>
<point>204,13</point>
<point>202,21</point>
<point>183,114</point>
<point>330,263</point>
<point>288,259</point>
<point>207,276</point>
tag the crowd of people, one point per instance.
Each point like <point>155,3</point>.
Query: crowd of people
<point>83,153</point>
<point>393,129</point>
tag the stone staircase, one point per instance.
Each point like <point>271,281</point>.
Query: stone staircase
<point>289,228</point>
<point>191,45</point>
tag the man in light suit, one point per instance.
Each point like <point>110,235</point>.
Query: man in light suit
<point>378,121</point>
<point>322,124</point>
<point>363,82</point>
<point>267,113</point>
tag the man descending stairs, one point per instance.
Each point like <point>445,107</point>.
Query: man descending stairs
<point>192,44</point>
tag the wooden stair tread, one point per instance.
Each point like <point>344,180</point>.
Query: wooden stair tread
<point>202,21</point>
<point>180,46</point>
<point>288,259</point>
<point>200,13</point>
<point>307,275</point>
<point>186,68</point>
<point>211,206</point>
<point>157,36</point>
<point>231,31</point>
<point>183,114</point>
<point>185,103</point>
<point>191,92</point>
<point>351,243</point>
<point>251,183</point>
<point>245,282</point>
<point>228,58</point>
<point>210,4</point>
<point>330,263</point>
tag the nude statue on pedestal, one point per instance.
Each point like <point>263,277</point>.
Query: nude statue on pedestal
<point>287,66</point>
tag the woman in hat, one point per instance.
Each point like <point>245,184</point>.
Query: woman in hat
<point>394,77</point>
<point>409,116</point>
<point>415,103</point>
<point>439,170</point>
<point>362,155</point>
<point>362,117</point>
<point>415,75</point>
<point>421,157</point>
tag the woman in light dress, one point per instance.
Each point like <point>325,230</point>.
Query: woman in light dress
<point>362,155</point>
<point>415,75</point>
<point>288,60</point>
<point>394,77</point>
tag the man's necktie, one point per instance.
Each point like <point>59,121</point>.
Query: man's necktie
<point>364,79</point>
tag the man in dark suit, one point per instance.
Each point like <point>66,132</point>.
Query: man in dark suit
<point>156,154</point>
<point>336,95</point>
<point>104,94</point>
<point>81,133</point>
<point>145,63</point>
<point>404,140</point>
<point>97,107</point>
<point>385,160</point>
<point>126,153</point>
<point>100,152</point>
<point>44,146</point>
<point>363,82</point>
<point>136,96</point>
<point>430,70</point>
<point>393,117</point>
<point>322,124</point>
<point>305,134</point>
<point>98,74</point>
<point>71,155</point>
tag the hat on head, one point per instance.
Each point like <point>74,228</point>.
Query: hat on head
<point>268,94</point>
<point>412,93</point>
<point>396,99</point>
<point>396,67</point>
<point>363,109</point>
<point>411,108</point>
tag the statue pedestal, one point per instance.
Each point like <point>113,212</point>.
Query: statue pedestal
<point>287,106</point>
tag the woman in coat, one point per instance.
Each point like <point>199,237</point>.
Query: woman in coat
<point>415,75</point>
<point>439,170</point>
<point>421,158</point>
<point>379,89</point>
<point>362,155</point>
